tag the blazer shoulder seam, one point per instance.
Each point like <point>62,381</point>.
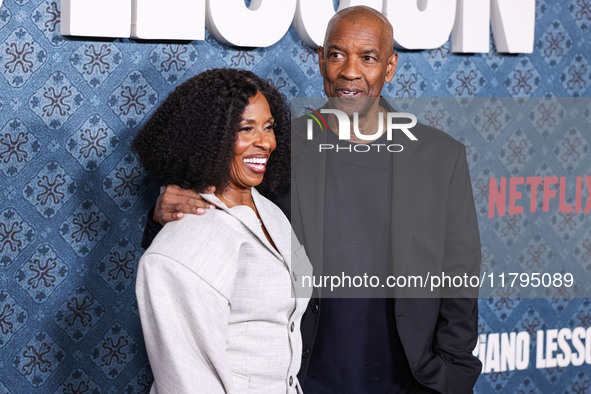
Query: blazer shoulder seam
<point>181,264</point>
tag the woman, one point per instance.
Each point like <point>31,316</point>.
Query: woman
<point>214,291</point>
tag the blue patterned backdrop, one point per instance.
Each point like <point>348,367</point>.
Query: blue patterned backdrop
<point>74,198</point>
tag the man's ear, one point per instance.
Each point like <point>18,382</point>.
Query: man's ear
<point>321,60</point>
<point>391,67</point>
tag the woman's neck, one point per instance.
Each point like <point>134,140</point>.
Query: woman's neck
<point>232,196</point>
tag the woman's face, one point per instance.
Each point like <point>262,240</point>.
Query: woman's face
<point>254,144</point>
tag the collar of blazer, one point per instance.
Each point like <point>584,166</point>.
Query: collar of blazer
<point>270,218</point>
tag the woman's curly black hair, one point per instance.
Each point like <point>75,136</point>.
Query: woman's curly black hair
<point>189,140</point>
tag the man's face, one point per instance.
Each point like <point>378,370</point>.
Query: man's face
<point>356,59</point>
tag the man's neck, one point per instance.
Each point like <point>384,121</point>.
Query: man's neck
<point>368,123</point>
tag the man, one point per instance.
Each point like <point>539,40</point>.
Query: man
<point>380,345</point>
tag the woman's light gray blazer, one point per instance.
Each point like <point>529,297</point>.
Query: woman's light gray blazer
<point>216,302</point>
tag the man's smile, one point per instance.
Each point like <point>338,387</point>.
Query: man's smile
<point>350,92</point>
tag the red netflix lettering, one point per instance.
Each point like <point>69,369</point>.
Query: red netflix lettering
<point>503,199</point>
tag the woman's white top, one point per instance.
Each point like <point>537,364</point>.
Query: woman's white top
<point>216,302</point>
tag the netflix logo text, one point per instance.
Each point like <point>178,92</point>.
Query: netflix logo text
<point>516,195</point>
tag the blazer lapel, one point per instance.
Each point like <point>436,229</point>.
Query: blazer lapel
<point>308,186</point>
<point>278,232</point>
<point>249,219</point>
<point>407,167</point>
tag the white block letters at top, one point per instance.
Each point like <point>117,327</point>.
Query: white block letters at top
<point>416,28</point>
<point>418,24</point>
<point>471,32</point>
<point>261,25</point>
<point>312,16</point>
<point>96,18</point>
<point>173,20</point>
<point>513,23</point>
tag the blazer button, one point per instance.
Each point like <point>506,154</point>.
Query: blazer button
<point>315,308</point>
<point>306,353</point>
<point>292,327</point>
<point>291,380</point>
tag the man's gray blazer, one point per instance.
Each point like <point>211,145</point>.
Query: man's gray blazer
<point>434,227</point>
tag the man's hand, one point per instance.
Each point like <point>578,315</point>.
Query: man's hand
<point>175,202</point>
